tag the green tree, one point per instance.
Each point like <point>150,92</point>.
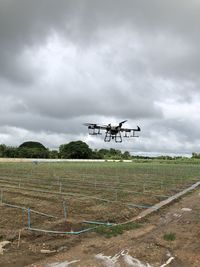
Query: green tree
<point>195,155</point>
<point>10,152</point>
<point>75,150</point>
<point>104,153</point>
<point>97,155</point>
<point>110,153</point>
<point>32,144</point>
<point>115,153</point>
<point>126,155</point>
<point>53,154</point>
<point>32,149</point>
<point>2,150</point>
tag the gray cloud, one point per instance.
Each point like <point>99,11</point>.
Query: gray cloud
<point>66,62</point>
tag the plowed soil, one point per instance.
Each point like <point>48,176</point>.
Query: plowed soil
<point>146,244</point>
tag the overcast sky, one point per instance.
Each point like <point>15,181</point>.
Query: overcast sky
<point>67,62</point>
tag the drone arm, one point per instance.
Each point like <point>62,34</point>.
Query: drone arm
<point>130,132</point>
<point>103,127</point>
<point>93,128</point>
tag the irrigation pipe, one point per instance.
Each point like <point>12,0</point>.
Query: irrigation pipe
<point>64,181</point>
<point>34,211</point>
<point>51,216</point>
<point>61,233</point>
<point>162,204</point>
<point>71,232</point>
<point>140,206</point>
<point>77,181</point>
<point>130,205</point>
<point>82,196</point>
<point>140,216</point>
<point>98,223</point>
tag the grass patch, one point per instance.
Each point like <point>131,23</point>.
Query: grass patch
<point>169,236</point>
<point>110,231</point>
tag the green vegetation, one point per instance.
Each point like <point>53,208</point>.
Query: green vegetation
<point>80,150</point>
<point>75,150</point>
<point>169,236</point>
<point>28,149</point>
<point>32,144</point>
<point>195,155</point>
<point>109,231</point>
<point>32,149</point>
<point>8,151</point>
<point>111,154</point>
<point>72,150</point>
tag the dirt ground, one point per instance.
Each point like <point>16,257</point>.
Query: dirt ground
<point>143,247</point>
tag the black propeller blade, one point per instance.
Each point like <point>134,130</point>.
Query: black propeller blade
<point>120,124</point>
<point>89,124</point>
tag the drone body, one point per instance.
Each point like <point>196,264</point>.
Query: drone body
<point>112,132</point>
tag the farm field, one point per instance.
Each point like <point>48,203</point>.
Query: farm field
<point>105,191</point>
<point>64,196</point>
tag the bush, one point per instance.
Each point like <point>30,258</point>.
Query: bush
<point>169,236</point>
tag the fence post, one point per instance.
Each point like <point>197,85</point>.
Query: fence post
<point>116,195</point>
<point>144,187</point>
<point>95,184</point>
<point>23,211</point>
<point>65,210</point>
<point>29,218</point>
<point>1,196</point>
<point>161,184</point>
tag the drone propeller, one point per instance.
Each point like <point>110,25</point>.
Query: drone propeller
<point>120,124</point>
<point>89,124</point>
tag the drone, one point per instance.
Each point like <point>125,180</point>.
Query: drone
<point>112,132</point>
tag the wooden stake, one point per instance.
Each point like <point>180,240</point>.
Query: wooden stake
<point>19,238</point>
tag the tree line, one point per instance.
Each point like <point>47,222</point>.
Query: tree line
<point>195,155</point>
<point>72,150</point>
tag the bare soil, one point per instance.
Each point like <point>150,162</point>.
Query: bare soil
<point>147,244</point>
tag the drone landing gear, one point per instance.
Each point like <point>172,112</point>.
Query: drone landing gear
<point>109,136</point>
<point>118,138</point>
